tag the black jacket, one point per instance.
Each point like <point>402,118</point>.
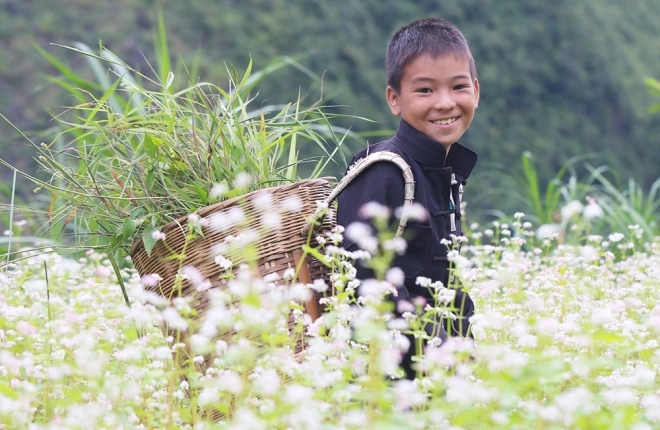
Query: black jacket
<point>383,182</point>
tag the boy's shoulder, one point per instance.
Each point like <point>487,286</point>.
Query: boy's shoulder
<point>385,145</point>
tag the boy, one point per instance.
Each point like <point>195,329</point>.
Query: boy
<point>432,85</point>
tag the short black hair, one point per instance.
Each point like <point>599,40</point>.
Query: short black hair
<point>433,36</point>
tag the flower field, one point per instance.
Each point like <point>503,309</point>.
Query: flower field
<point>565,337</point>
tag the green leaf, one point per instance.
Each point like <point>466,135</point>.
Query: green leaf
<point>128,228</point>
<point>148,241</point>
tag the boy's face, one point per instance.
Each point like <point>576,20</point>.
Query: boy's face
<point>438,97</point>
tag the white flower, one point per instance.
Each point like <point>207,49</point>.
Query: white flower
<point>242,180</point>
<point>157,235</point>
<point>217,191</point>
<point>546,231</point>
<point>414,212</point>
<point>173,319</point>
<point>360,233</point>
<point>223,262</point>
<point>374,210</point>
<point>291,204</point>
<point>573,208</point>
<point>616,237</point>
<point>319,285</point>
<point>593,210</point>
<point>395,276</point>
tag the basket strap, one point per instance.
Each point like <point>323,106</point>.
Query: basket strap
<point>367,161</point>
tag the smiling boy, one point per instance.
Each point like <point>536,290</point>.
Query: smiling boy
<point>432,85</point>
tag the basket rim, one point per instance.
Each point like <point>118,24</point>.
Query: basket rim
<point>207,210</point>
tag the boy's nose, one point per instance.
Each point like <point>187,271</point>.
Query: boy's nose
<point>444,101</point>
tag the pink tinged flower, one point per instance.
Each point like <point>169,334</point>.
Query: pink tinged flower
<point>372,210</point>
<point>25,328</point>
<point>407,395</point>
<point>395,276</point>
<point>151,280</point>
<point>103,272</point>
<point>193,275</point>
<point>593,210</point>
<point>405,306</point>
<point>414,212</point>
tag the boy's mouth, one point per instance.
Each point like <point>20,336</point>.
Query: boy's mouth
<point>445,121</point>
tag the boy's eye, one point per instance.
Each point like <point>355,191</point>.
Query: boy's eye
<point>461,86</point>
<point>424,90</point>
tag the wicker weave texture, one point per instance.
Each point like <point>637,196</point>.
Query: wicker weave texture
<point>276,246</point>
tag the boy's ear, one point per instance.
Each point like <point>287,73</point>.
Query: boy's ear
<point>393,100</point>
<point>476,93</point>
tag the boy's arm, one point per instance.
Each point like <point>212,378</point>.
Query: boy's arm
<point>382,183</point>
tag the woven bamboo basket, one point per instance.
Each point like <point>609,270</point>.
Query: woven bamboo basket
<point>278,251</point>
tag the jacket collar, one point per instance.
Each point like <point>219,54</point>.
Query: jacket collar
<point>431,153</point>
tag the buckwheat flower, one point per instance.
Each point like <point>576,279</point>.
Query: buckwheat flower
<point>295,394</point>
<point>242,180</point>
<point>151,280</point>
<point>271,220</point>
<point>546,231</point>
<point>518,215</point>
<point>173,319</point>
<point>395,276</point>
<point>488,232</point>
<point>414,212</point>
<point>209,395</point>
<point>230,382</point>
<point>446,295</point>
<point>360,233</point>
<point>396,244</point>
<point>267,383</point>
<point>103,272</point>
<point>25,328</point>
<point>593,210</point>
<point>217,191</point>
<point>263,201</point>
<point>289,274</point>
<point>158,235</point>
<point>354,418</point>
<point>405,306</point>
<point>571,209</point>
<point>192,274</point>
<point>372,210</point>
<point>407,395</point>
<point>319,286</point>
<point>291,204</point>
<point>388,361</point>
<point>223,262</point>
<point>399,341</point>
<point>615,237</point>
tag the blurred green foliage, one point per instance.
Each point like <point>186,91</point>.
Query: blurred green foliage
<point>559,79</point>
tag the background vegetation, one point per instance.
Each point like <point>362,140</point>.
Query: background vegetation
<point>558,79</point>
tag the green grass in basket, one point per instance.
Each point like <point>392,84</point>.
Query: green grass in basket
<point>141,153</point>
